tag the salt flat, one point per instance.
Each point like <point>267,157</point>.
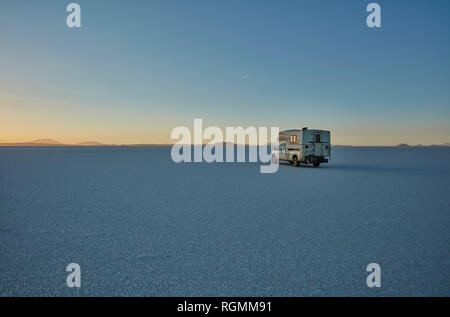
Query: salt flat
<point>140,225</point>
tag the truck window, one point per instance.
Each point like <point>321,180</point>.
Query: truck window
<point>317,140</point>
<point>282,145</point>
<point>293,139</point>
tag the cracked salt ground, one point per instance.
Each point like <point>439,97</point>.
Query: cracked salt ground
<point>140,225</point>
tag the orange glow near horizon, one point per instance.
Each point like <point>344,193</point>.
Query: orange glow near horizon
<point>20,121</point>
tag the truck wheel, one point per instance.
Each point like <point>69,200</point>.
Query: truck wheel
<point>295,162</point>
<point>316,164</point>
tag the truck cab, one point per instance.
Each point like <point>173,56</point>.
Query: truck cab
<point>304,146</point>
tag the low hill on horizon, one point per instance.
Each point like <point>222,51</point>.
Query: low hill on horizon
<point>90,143</point>
<point>45,141</point>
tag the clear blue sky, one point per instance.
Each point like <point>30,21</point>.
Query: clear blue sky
<point>137,69</point>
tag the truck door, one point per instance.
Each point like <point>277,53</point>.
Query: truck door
<point>283,151</point>
<point>317,145</point>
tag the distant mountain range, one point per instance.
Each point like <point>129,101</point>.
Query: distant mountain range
<point>419,145</point>
<point>51,142</point>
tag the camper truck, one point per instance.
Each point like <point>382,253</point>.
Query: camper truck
<point>304,146</point>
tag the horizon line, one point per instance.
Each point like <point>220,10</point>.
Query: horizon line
<point>99,144</point>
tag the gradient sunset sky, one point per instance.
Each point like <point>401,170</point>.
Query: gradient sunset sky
<point>137,69</point>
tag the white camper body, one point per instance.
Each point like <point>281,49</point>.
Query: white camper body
<point>304,146</point>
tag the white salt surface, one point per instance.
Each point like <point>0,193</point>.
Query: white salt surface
<point>140,225</point>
